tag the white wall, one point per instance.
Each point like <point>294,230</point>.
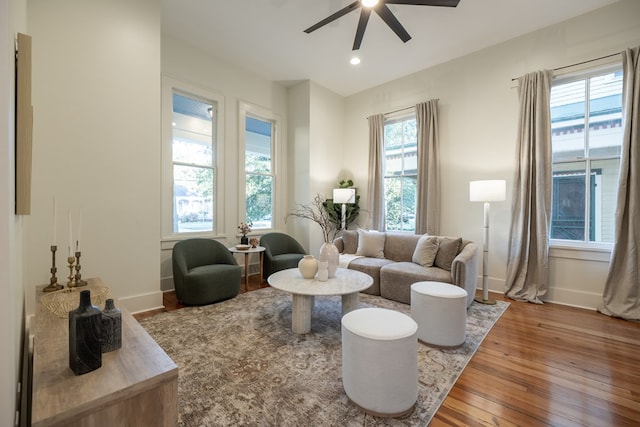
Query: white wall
<point>478,120</point>
<point>316,156</point>
<point>194,67</point>
<point>12,20</point>
<point>96,146</point>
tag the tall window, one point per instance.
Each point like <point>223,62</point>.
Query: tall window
<point>586,116</point>
<point>189,160</point>
<point>259,172</point>
<point>259,138</point>
<point>400,173</point>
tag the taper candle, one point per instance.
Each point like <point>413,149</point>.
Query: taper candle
<point>79,232</point>
<point>70,234</point>
<point>53,236</point>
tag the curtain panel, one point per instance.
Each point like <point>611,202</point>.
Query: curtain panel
<point>528,252</point>
<point>621,296</point>
<point>375,194</point>
<point>428,185</point>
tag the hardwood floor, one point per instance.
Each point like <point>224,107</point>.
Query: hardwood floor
<point>541,365</point>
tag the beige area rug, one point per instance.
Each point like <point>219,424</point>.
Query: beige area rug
<point>240,363</point>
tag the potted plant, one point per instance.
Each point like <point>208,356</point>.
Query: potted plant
<point>244,229</point>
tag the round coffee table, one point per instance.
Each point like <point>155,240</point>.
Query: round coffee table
<point>347,283</point>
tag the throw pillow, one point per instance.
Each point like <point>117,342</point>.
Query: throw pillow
<point>350,241</point>
<point>447,251</point>
<point>371,244</point>
<point>425,251</point>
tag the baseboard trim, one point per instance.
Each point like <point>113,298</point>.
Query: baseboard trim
<point>143,302</point>
<point>562,296</point>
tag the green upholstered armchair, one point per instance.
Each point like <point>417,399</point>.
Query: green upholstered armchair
<point>204,272</point>
<point>281,251</point>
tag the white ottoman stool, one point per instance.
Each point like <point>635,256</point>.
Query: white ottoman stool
<point>380,361</point>
<point>440,310</point>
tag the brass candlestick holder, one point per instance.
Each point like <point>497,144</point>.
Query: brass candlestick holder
<point>72,279</point>
<point>78,276</point>
<point>53,281</point>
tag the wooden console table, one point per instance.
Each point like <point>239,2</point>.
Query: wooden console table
<point>137,385</point>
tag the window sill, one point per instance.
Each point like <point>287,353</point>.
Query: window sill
<point>582,251</point>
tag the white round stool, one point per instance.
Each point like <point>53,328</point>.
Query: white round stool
<point>440,310</point>
<point>380,361</point>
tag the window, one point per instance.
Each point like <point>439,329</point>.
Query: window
<point>400,173</point>
<point>189,160</point>
<point>259,131</point>
<point>586,117</point>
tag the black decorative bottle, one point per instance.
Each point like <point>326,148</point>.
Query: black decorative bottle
<point>85,332</point>
<point>111,327</point>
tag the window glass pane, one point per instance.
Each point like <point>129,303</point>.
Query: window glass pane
<point>392,200</point>
<point>568,204</point>
<point>604,185</point>
<point>192,131</point>
<point>192,199</point>
<point>258,146</point>
<point>259,201</point>
<point>605,115</point>
<point>400,150</point>
<point>568,120</point>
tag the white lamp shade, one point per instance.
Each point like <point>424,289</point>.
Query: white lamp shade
<point>344,195</point>
<point>494,190</point>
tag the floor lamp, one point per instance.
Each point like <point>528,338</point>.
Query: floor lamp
<point>344,196</point>
<point>486,191</point>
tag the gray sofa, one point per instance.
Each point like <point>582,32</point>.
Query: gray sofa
<point>392,265</point>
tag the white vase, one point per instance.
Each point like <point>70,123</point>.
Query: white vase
<point>308,267</point>
<point>323,271</point>
<point>329,252</point>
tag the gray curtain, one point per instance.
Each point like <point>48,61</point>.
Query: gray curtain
<point>621,296</point>
<point>528,254</point>
<point>428,185</point>
<point>376,196</point>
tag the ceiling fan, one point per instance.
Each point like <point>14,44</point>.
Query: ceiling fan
<point>379,7</point>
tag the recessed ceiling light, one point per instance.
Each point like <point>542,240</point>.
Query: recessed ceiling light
<point>369,3</point>
<point>355,60</point>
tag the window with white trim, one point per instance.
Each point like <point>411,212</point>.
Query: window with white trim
<point>586,125</point>
<point>400,172</point>
<point>259,138</point>
<point>190,160</point>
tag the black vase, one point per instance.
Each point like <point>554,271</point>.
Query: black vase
<point>111,327</point>
<point>85,330</point>
<point>244,240</point>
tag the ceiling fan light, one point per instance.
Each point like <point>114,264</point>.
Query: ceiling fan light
<point>369,3</point>
<point>354,60</point>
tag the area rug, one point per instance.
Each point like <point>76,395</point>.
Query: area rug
<point>239,363</point>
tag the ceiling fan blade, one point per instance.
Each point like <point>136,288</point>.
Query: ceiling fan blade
<point>393,23</point>
<point>446,3</point>
<point>362,25</point>
<point>353,6</point>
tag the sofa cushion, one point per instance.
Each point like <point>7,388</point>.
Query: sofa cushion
<point>447,251</point>
<point>350,241</point>
<point>399,246</point>
<point>371,244</point>
<point>426,250</point>
<point>396,279</point>
<point>370,266</point>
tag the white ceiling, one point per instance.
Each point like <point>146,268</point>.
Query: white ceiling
<point>267,38</point>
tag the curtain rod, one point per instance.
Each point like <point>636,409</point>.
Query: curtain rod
<point>405,108</point>
<point>579,63</point>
